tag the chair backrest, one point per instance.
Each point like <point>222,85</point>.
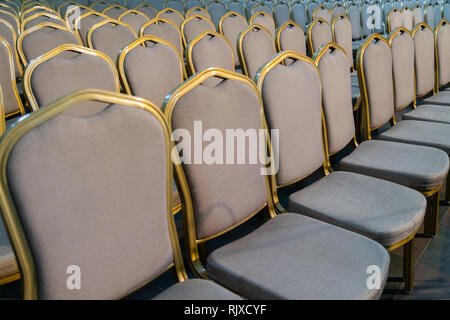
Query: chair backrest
<point>209,49</point>
<point>292,97</point>
<point>40,17</point>
<point>437,14</point>
<point>198,11</point>
<point>192,4</point>
<point>85,212</point>
<point>85,22</point>
<point>66,69</point>
<point>342,35</point>
<point>175,4</point>
<point>408,19</point>
<point>446,11</point>
<point>42,38</point>
<point>147,9</point>
<point>158,4</point>
<point>99,6</point>
<point>230,25</point>
<point>429,15</point>
<point>193,26</point>
<point>8,33</point>
<point>114,11</point>
<point>150,71</point>
<point>255,47</point>
<point>235,191</point>
<point>164,29</point>
<point>263,19</point>
<point>172,15</point>
<point>322,12</point>
<point>354,15</point>
<point>135,19</point>
<point>402,49</point>
<point>249,7</point>
<point>338,9</point>
<point>11,19</point>
<point>12,103</point>
<point>216,10</point>
<point>73,12</point>
<point>236,6</point>
<point>319,33</point>
<point>299,16</point>
<point>310,7</point>
<point>374,64</point>
<point>442,53</point>
<point>110,36</point>
<point>424,59</point>
<point>36,9</point>
<point>418,15</point>
<point>395,19</point>
<point>291,37</point>
<point>281,13</point>
<point>336,97</point>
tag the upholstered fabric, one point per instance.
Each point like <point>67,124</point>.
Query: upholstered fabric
<point>296,257</point>
<point>443,52</point>
<point>197,289</point>
<point>433,113</point>
<point>407,16</point>
<point>10,102</point>
<point>378,209</point>
<point>339,9</point>
<point>257,49</point>
<point>134,20</point>
<point>158,4</point>
<point>292,103</point>
<point>236,6</point>
<point>114,12</point>
<point>7,33</point>
<point>298,11</point>
<point>343,37</point>
<point>111,38</point>
<point>320,35</point>
<point>198,11</point>
<point>110,202</point>
<point>69,72</point>
<point>424,61</point>
<point>293,38</point>
<point>86,23</point>
<point>395,20</point>
<point>420,132</point>
<point>196,26</point>
<point>8,263</point>
<point>441,98</point>
<point>265,21</point>
<point>42,19</point>
<point>324,14</point>
<point>212,51</point>
<point>43,40</point>
<point>418,16</point>
<point>149,11</point>
<point>419,167</point>
<point>167,32</point>
<point>10,19</point>
<point>172,16</point>
<point>231,27</point>
<point>402,48</point>
<point>281,14</point>
<point>175,4</point>
<point>216,11</point>
<point>152,71</point>
<point>377,64</point>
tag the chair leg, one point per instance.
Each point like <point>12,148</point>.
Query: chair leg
<point>408,265</point>
<point>447,189</point>
<point>432,215</point>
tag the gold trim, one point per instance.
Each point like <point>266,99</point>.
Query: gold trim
<point>156,21</point>
<point>16,54</point>
<point>14,17</point>
<point>37,28</point>
<point>199,37</point>
<point>169,10</point>
<point>65,3</point>
<point>419,27</point>
<point>226,15</point>
<point>391,12</point>
<point>279,3</point>
<point>145,4</point>
<point>194,17</point>
<point>28,90</point>
<point>40,14</point>
<point>2,111</point>
<point>260,13</point>
<point>188,13</point>
<point>33,8</point>
<point>311,26</point>
<point>101,24</point>
<point>321,7</point>
<point>436,55</point>
<point>123,14</point>
<point>11,278</point>
<point>118,6</point>
<point>77,23</point>
<point>94,3</point>
<point>280,31</point>
<point>7,6</point>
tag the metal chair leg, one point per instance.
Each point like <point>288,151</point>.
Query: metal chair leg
<point>432,215</point>
<point>408,265</point>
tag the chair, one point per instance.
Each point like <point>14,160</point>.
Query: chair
<point>429,15</point>
<point>134,19</point>
<point>310,7</point>
<point>332,198</point>
<point>319,33</point>
<point>85,22</point>
<point>147,9</point>
<point>42,38</point>
<point>11,19</point>
<point>209,49</point>
<point>175,4</point>
<point>354,14</point>
<point>322,12</point>
<point>281,13</point>
<point>158,4</point>
<point>110,36</point>
<point>66,69</point>
<point>193,26</point>
<point>198,11</point>
<point>114,11</point>
<point>298,11</point>
<point>338,9</point>
<point>235,6</point>
<point>263,19</point>
<point>230,25</point>
<point>9,34</point>
<point>249,8</point>
<point>99,6</point>
<point>190,4</point>
<point>279,259</point>
<point>40,17</point>
<point>442,54</point>
<point>164,29</point>
<point>341,28</point>
<point>216,10</point>
<point>408,18</point>
<point>290,36</point>
<point>37,9</point>
<point>395,19</point>
<point>418,15</point>
<point>172,15</point>
<point>150,71</point>
<point>143,216</point>
<point>255,46</point>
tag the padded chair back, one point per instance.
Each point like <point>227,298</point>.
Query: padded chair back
<point>147,9</point>
<point>207,50</point>
<point>322,12</point>
<point>299,16</point>
<point>134,19</point>
<point>42,38</point>
<point>342,35</point>
<point>190,4</point>
<point>41,17</point>
<point>11,19</point>
<point>292,98</point>
<point>337,97</point>
<point>230,25</point>
<point>94,225</point>
<point>236,6</point>
<point>36,9</point>
<point>164,29</point>
<point>407,15</point>
<point>446,11</point>
<point>255,47</point>
<point>216,10</point>
<point>424,59</point>
<point>442,40</point>
<point>337,10</point>
<point>100,6</point>
<point>67,69</point>
<point>12,103</point>
<point>319,33</point>
<point>175,4</point>
<point>291,37</point>
<point>281,13</point>
<point>395,19</point>
<point>114,11</point>
<point>110,36</point>
<point>150,71</point>
<point>172,15</point>
<point>8,33</point>
<point>418,15</point>
<point>429,15</point>
<point>235,191</point>
<point>158,4</point>
<point>374,62</point>
<point>249,8</point>
<point>265,20</point>
<point>193,26</point>
<point>198,11</point>
<point>310,7</point>
<point>402,48</point>
<point>437,14</point>
<point>85,22</point>
<point>354,15</point>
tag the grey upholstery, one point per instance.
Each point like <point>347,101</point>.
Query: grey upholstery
<point>41,19</point>
<point>266,21</point>
<point>173,16</point>
<point>281,13</point>
<point>10,19</point>
<point>433,113</point>
<point>236,6</point>
<point>296,257</point>
<point>395,19</point>
<point>7,32</point>
<point>198,11</point>
<point>383,211</point>
<point>114,12</point>
<point>231,26</point>
<point>216,10</point>
<point>197,289</point>
<point>134,20</point>
<point>418,15</point>
<point>152,71</point>
<point>166,31</point>
<point>443,52</point>
<point>343,36</point>
<point>323,13</point>
<point>86,23</point>
<point>292,38</point>
<point>441,98</point>
<point>298,11</point>
<point>8,263</point>
<point>407,16</point>
<point>8,85</point>
<point>419,167</point>
<point>420,132</point>
<point>148,10</point>
<point>212,50</point>
<point>424,60</point>
<point>194,26</point>
<point>320,34</point>
<point>355,19</point>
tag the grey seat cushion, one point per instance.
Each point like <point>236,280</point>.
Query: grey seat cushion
<point>423,133</point>
<point>379,209</point>
<point>419,167</point>
<point>295,257</point>
<point>197,289</point>
<point>433,113</point>
<point>441,98</point>
<point>8,263</point>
